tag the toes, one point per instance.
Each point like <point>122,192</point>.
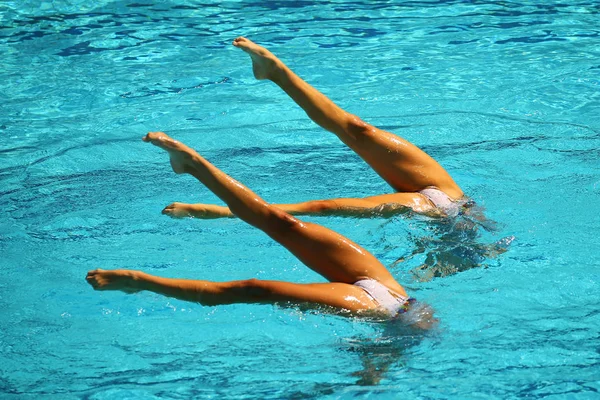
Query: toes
<point>154,137</point>
<point>172,212</point>
<point>244,44</point>
<point>92,282</point>
<point>91,274</point>
<point>238,40</point>
<point>94,278</point>
<point>158,139</point>
<point>176,210</point>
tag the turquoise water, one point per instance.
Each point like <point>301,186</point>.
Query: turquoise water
<point>504,94</point>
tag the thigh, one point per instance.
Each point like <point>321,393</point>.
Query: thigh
<point>340,296</point>
<point>393,202</point>
<point>400,163</point>
<point>334,256</point>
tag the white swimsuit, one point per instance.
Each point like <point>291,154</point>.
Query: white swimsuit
<point>443,202</point>
<point>393,304</point>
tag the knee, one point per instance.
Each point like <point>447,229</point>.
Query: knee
<point>253,290</point>
<point>234,292</point>
<point>280,221</point>
<point>320,206</point>
<point>357,127</point>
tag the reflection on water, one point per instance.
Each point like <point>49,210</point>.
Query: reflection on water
<point>377,357</point>
<point>444,246</point>
<point>379,353</point>
<point>454,245</point>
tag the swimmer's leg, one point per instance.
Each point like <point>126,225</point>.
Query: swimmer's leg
<point>383,205</point>
<point>328,253</point>
<point>400,163</point>
<point>252,291</point>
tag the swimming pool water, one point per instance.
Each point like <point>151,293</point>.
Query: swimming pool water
<point>503,94</point>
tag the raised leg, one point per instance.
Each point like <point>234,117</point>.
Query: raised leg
<point>400,163</point>
<point>328,253</point>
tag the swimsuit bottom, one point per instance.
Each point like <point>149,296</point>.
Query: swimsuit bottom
<point>392,304</point>
<point>443,202</point>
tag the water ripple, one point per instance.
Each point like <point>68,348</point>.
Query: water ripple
<point>503,93</point>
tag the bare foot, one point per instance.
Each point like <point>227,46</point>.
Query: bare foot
<point>264,63</point>
<point>179,153</point>
<point>178,210</point>
<point>118,279</point>
<point>203,211</point>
